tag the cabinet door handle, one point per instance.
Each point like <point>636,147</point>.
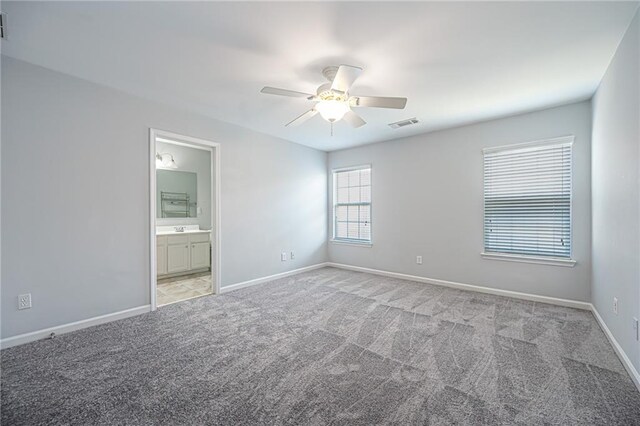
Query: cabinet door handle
<point>186,246</point>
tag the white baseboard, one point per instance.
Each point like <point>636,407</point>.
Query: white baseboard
<point>77,325</point>
<point>470,287</point>
<point>66,328</point>
<point>261,280</point>
<point>635,376</point>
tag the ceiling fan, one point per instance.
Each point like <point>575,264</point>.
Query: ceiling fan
<point>334,102</point>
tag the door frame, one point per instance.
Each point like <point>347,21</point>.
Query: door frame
<point>197,143</point>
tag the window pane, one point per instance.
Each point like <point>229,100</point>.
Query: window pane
<point>341,230</point>
<point>365,194</point>
<point>365,177</point>
<point>354,178</point>
<point>353,213</point>
<point>365,214</point>
<point>343,180</point>
<point>352,230</point>
<point>341,213</point>
<point>365,231</point>
<point>343,195</point>
<point>354,194</point>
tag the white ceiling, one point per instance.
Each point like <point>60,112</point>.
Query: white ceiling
<point>456,62</point>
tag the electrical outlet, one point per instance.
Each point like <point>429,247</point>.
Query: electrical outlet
<point>24,301</point>
<point>292,256</point>
<point>636,328</point>
<point>283,256</point>
<point>615,305</point>
<point>419,260</point>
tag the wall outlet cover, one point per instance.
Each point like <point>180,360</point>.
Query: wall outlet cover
<point>615,305</point>
<point>419,260</point>
<point>24,301</point>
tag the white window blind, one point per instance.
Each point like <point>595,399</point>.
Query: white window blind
<point>352,204</point>
<point>527,199</point>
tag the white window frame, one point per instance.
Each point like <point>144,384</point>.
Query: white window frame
<point>543,260</point>
<point>334,197</point>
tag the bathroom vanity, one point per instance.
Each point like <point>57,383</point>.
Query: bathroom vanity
<point>182,250</point>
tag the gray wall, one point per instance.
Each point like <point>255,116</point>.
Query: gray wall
<point>73,153</point>
<point>199,162</point>
<point>616,193</point>
<point>427,200</point>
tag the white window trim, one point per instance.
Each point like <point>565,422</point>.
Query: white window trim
<point>345,241</point>
<point>509,257</point>
<point>542,142</point>
<point>530,259</point>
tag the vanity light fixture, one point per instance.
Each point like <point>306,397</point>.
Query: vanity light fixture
<point>165,161</point>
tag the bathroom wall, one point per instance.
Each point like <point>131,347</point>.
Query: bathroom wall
<point>199,162</point>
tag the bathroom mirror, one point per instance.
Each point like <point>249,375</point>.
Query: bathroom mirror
<point>176,194</point>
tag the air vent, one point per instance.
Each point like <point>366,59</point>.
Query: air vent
<point>403,123</point>
<point>3,25</point>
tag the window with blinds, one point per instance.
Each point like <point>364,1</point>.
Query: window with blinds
<point>352,204</point>
<point>527,199</point>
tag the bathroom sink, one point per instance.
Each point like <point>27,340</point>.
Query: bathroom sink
<point>180,229</point>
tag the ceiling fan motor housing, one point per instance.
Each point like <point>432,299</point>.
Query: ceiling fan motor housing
<point>330,72</point>
<point>325,93</point>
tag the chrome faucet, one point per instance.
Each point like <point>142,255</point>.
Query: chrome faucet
<point>179,228</point>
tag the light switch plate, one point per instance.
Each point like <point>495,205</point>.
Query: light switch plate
<point>283,256</point>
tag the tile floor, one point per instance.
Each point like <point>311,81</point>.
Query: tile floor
<point>176,289</point>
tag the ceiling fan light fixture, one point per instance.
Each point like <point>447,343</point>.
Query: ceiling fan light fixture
<point>332,110</point>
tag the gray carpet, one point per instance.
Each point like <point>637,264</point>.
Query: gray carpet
<point>327,347</point>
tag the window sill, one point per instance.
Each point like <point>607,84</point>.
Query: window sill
<point>351,243</point>
<point>569,263</point>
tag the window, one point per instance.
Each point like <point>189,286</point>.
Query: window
<point>527,200</point>
<point>352,205</point>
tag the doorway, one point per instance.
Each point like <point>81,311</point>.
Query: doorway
<point>184,183</point>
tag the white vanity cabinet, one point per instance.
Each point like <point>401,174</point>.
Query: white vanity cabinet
<point>183,253</point>
<point>161,253</point>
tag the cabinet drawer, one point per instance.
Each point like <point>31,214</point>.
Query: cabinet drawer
<point>178,239</point>
<point>199,238</point>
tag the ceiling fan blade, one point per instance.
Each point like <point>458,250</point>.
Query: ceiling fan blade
<point>284,92</point>
<point>345,77</point>
<point>380,102</point>
<point>302,118</point>
<point>354,119</point>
